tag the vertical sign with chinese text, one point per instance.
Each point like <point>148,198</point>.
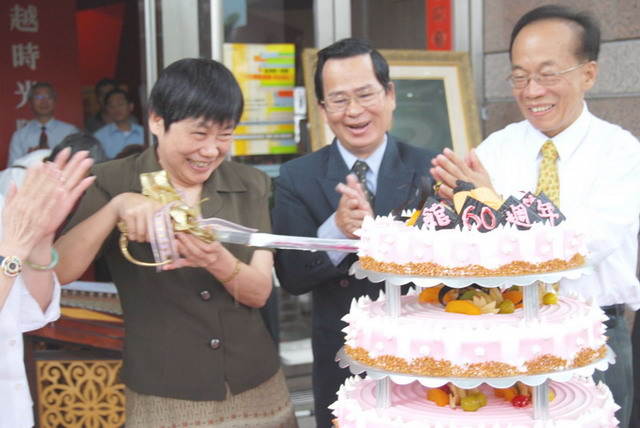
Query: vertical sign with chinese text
<point>266,74</point>
<point>438,25</point>
<point>38,42</point>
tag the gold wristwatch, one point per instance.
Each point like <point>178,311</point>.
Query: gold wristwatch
<point>11,266</point>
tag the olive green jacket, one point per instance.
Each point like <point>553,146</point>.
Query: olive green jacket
<point>185,336</point>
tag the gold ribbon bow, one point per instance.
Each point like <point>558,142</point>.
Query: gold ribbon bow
<point>184,218</point>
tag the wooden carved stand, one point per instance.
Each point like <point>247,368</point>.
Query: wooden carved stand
<point>73,366</point>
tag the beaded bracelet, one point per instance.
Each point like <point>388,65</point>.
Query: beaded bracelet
<point>235,272</point>
<point>54,262</point>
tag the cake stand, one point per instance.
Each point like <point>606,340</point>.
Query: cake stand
<point>531,301</point>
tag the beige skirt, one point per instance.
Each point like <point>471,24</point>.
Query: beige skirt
<point>267,405</point>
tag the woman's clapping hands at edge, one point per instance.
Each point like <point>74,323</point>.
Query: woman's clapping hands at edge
<point>33,213</point>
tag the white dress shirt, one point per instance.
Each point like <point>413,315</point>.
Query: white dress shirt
<point>20,313</point>
<point>599,172</point>
<point>29,136</point>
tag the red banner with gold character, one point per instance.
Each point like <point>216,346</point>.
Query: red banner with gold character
<point>38,42</point>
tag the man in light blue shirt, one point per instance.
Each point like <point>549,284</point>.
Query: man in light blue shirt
<point>44,131</point>
<point>122,131</point>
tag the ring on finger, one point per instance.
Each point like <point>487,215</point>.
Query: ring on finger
<point>436,187</point>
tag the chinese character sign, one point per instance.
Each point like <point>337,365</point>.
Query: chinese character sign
<point>266,74</point>
<point>438,25</point>
<point>39,42</point>
<point>24,18</point>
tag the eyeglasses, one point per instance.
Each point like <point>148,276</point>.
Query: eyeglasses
<point>340,103</point>
<point>545,79</point>
<point>43,97</point>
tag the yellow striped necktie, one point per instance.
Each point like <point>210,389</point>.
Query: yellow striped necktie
<point>548,180</point>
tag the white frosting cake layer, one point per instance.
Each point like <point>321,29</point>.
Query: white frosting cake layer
<point>390,241</point>
<point>578,403</point>
<point>563,336</point>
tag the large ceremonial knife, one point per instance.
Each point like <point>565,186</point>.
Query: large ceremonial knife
<point>232,233</point>
<point>215,229</point>
<point>268,240</point>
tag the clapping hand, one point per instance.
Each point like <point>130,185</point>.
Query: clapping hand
<point>353,206</point>
<point>50,190</point>
<point>449,168</point>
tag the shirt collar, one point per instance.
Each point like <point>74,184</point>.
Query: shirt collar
<point>373,161</point>
<point>49,125</point>
<point>113,128</point>
<point>566,142</point>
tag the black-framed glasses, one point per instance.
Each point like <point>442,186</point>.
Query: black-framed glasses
<point>340,103</point>
<point>520,81</point>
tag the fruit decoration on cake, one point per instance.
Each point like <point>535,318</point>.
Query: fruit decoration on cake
<point>476,237</point>
<point>471,400</point>
<point>476,300</point>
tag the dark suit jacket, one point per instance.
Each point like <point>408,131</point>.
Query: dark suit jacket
<point>305,197</point>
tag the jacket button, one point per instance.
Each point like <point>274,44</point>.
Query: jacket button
<point>344,283</point>
<point>205,295</point>
<point>214,343</point>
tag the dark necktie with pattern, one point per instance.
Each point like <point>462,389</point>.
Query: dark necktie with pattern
<point>360,169</point>
<point>44,141</point>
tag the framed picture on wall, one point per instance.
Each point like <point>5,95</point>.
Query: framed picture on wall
<point>435,100</point>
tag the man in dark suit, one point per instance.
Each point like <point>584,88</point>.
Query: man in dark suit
<point>317,196</point>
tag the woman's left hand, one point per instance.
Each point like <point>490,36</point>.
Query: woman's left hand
<point>197,253</point>
<point>249,283</point>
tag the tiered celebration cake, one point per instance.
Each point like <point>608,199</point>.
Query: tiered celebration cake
<point>435,342</point>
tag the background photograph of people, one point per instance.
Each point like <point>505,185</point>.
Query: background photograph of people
<point>122,130</point>
<point>44,131</point>
<point>96,121</point>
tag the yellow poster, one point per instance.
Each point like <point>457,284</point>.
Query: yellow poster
<point>266,74</point>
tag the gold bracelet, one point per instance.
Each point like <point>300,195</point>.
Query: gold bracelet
<point>54,262</point>
<point>236,270</point>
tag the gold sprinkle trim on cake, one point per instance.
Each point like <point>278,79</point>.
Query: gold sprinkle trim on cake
<point>432,269</point>
<point>545,364</point>
<point>589,355</point>
<point>428,366</point>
